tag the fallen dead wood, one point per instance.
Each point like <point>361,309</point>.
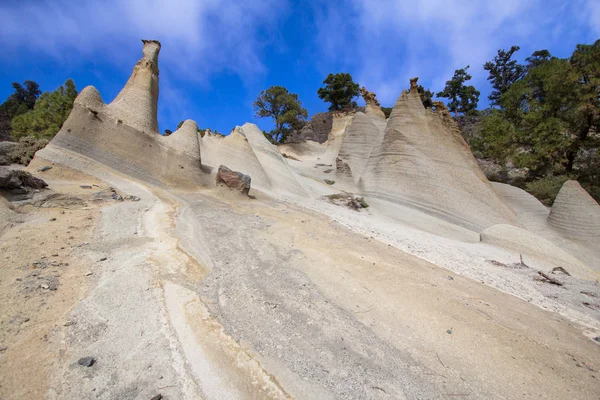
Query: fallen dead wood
<point>550,279</point>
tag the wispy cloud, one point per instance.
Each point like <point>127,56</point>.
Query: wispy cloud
<point>199,37</point>
<point>392,40</point>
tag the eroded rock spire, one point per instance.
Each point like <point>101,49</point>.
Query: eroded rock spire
<point>137,103</point>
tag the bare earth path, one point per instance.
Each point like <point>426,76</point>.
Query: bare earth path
<point>201,297</point>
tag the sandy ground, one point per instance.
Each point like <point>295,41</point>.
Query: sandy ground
<point>201,295</point>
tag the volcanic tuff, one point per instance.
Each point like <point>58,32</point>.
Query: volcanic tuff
<point>359,266</point>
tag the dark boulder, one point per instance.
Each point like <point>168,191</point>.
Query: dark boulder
<point>233,179</point>
<point>11,179</point>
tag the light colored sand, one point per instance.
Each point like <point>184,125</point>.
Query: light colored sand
<point>230,298</point>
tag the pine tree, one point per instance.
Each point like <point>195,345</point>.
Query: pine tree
<point>504,71</point>
<point>339,90</point>
<point>462,98</point>
<point>285,109</point>
<point>49,113</point>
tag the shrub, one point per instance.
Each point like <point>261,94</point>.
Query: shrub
<point>386,111</point>
<point>546,189</point>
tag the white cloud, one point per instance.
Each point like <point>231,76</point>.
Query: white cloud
<point>198,37</point>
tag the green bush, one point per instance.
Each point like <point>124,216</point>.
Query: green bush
<point>546,189</point>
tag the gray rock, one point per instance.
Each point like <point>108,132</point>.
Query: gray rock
<point>85,186</point>
<point>329,181</point>
<point>8,179</point>
<point>157,397</point>
<point>45,168</point>
<point>132,198</point>
<point>7,147</point>
<point>86,361</point>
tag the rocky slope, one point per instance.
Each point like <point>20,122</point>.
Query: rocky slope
<point>134,275</point>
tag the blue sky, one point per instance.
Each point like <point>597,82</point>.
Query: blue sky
<point>217,55</point>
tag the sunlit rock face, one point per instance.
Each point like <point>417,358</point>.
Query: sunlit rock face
<point>424,163</point>
<point>124,134</point>
<point>137,103</point>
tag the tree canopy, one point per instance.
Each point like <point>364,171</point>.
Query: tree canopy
<point>426,96</point>
<point>22,100</point>
<point>284,107</point>
<point>48,114</point>
<point>462,98</point>
<point>340,90</point>
<point>503,72</point>
<point>549,118</point>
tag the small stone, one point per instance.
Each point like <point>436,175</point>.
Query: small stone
<point>69,323</point>
<point>44,286</point>
<point>52,219</point>
<point>117,196</point>
<point>597,339</point>
<point>157,397</point>
<point>450,278</point>
<point>329,181</point>
<point>103,259</point>
<point>449,331</point>
<point>86,361</point>
<point>85,186</point>
<point>45,168</point>
<point>132,198</point>
<point>3,348</point>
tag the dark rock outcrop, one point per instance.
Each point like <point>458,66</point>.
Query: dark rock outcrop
<point>11,179</point>
<point>317,129</point>
<point>233,179</point>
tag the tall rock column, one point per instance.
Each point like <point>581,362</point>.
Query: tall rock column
<point>136,105</point>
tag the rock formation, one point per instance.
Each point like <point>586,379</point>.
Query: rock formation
<point>317,129</point>
<point>137,103</point>
<point>360,138</point>
<point>124,134</point>
<point>247,150</point>
<point>575,213</point>
<point>372,106</point>
<point>12,179</point>
<point>424,163</point>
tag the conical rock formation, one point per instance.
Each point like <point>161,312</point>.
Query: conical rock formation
<point>360,138</point>
<point>575,213</point>
<point>423,162</point>
<point>247,150</point>
<point>137,103</point>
